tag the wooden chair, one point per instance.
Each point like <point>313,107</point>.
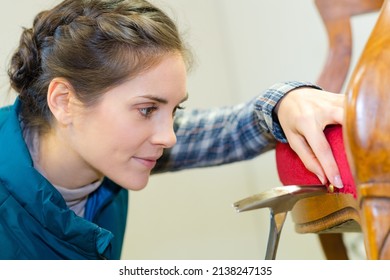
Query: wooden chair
<point>331,214</point>
<point>367,132</point>
<point>339,213</point>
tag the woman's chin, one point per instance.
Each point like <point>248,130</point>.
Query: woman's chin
<point>135,186</point>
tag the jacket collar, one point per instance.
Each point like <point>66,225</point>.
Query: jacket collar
<point>37,196</point>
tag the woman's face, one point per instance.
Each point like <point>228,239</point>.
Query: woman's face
<point>124,134</point>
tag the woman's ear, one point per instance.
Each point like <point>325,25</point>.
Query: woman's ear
<point>59,95</point>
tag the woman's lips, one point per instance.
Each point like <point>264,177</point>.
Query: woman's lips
<point>147,162</point>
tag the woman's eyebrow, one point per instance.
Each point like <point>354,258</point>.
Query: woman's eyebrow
<point>162,100</point>
<point>155,98</point>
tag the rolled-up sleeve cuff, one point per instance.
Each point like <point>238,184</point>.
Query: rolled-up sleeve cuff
<point>266,102</point>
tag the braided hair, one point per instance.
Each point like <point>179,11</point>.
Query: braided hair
<point>94,44</point>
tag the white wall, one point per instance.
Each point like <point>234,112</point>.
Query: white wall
<point>242,47</point>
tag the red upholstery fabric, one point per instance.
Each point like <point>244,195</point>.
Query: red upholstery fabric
<point>292,171</point>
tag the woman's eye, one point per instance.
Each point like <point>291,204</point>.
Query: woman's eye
<point>147,111</point>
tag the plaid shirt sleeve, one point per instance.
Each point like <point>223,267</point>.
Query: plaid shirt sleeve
<point>228,134</point>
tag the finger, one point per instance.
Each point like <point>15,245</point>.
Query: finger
<point>323,152</point>
<point>308,158</point>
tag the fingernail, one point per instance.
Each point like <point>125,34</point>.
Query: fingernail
<point>337,182</point>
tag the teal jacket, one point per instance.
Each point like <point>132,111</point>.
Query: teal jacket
<point>35,222</point>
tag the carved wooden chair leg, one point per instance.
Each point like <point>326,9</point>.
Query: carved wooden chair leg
<point>333,246</point>
<point>375,209</point>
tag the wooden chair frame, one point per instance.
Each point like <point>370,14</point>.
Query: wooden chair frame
<point>367,141</point>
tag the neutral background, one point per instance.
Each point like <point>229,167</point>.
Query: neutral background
<point>241,48</point>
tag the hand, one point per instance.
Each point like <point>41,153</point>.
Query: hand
<point>303,114</point>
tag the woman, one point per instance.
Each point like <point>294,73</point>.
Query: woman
<point>100,86</point>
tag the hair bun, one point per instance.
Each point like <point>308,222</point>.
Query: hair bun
<point>25,62</point>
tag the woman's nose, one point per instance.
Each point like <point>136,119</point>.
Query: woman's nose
<point>165,135</point>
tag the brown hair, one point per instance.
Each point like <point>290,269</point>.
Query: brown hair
<point>95,44</point>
